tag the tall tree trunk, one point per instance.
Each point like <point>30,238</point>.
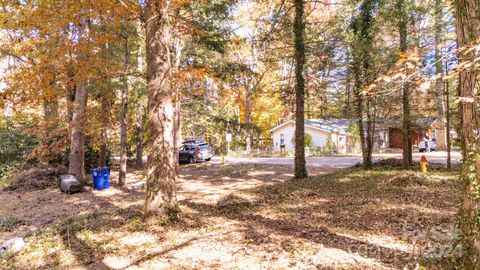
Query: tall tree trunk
<point>71,90</point>
<point>139,142</point>
<point>368,8</point>
<point>177,130</point>
<point>76,165</point>
<point>439,91</point>
<point>123,123</point>
<point>364,75</point>
<point>468,34</point>
<point>447,135</point>
<point>439,84</point>
<point>161,174</point>
<point>370,138</point>
<point>359,106</point>
<point>139,128</point>
<point>248,118</point>
<point>123,136</point>
<point>102,152</point>
<point>104,118</point>
<point>359,102</point>
<point>177,134</point>
<point>299,30</point>
<point>407,137</point>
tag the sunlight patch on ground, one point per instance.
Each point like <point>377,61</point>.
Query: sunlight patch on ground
<point>112,191</point>
<point>345,180</point>
<point>116,262</point>
<point>138,239</point>
<point>338,258</point>
<point>258,173</point>
<point>385,241</point>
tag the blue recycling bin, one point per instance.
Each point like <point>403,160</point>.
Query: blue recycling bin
<point>101,178</point>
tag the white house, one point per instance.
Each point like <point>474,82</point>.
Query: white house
<point>320,130</point>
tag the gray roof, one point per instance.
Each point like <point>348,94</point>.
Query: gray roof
<point>332,125</point>
<point>328,125</point>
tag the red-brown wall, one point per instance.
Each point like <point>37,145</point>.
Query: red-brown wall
<point>396,137</point>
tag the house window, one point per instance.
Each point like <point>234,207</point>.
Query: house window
<point>282,139</point>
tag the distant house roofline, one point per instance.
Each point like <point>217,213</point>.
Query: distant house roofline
<point>310,124</point>
<point>341,125</point>
<point>281,125</point>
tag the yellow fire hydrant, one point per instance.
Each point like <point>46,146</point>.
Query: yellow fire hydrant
<point>424,164</point>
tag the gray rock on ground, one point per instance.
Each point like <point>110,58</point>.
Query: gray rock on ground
<point>13,245</point>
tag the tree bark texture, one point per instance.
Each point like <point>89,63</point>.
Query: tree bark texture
<point>102,152</point>
<point>123,123</point>
<point>468,34</point>
<point>407,138</point>
<point>139,129</point>
<point>299,30</point>
<point>76,165</point>
<point>161,148</point>
<point>447,118</point>
<point>139,142</point>
<point>363,73</point>
<point>439,84</point>
<point>248,118</point>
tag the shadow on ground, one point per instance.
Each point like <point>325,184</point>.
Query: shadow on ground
<point>353,219</point>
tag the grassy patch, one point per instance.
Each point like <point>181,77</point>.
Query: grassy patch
<point>6,173</point>
<point>234,171</point>
<point>8,223</point>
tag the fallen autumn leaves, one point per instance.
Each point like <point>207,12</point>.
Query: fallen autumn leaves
<point>247,216</point>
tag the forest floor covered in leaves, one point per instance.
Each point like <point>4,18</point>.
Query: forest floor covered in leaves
<point>241,217</point>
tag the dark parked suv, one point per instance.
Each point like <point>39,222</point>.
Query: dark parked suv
<point>195,151</point>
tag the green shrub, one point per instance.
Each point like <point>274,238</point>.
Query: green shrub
<point>329,147</point>
<point>308,140</point>
<point>16,140</point>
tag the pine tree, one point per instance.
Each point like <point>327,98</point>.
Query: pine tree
<point>405,87</point>
<point>162,163</point>
<point>299,30</point>
<point>468,35</point>
<point>364,75</point>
